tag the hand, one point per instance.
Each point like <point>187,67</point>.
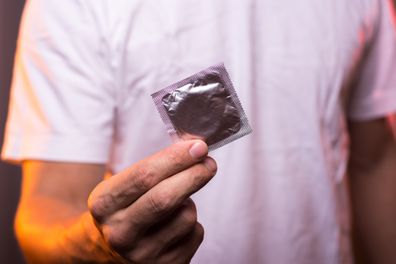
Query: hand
<point>145,214</point>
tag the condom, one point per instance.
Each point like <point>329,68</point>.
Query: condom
<point>203,106</point>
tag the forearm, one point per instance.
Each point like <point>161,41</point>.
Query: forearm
<point>373,195</point>
<point>52,232</point>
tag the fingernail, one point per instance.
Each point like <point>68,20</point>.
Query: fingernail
<point>198,150</point>
<point>210,164</point>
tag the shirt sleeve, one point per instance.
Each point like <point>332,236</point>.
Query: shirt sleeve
<point>375,93</point>
<point>62,99</point>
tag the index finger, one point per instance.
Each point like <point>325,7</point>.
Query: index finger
<point>127,186</point>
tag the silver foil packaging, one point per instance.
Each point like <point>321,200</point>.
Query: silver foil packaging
<point>203,106</point>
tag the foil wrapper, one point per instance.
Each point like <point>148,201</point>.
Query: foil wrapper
<point>203,106</point>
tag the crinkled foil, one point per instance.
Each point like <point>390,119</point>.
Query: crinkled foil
<point>203,106</point>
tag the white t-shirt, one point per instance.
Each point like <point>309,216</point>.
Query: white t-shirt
<point>85,70</point>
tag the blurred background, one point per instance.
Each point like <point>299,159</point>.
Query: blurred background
<point>10,11</point>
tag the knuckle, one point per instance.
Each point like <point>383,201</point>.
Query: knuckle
<point>189,215</point>
<point>100,202</point>
<point>200,232</point>
<point>176,158</point>
<point>144,177</point>
<point>160,202</point>
<point>97,207</point>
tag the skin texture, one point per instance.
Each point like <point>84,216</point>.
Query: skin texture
<point>141,215</point>
<point>372,171</point>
